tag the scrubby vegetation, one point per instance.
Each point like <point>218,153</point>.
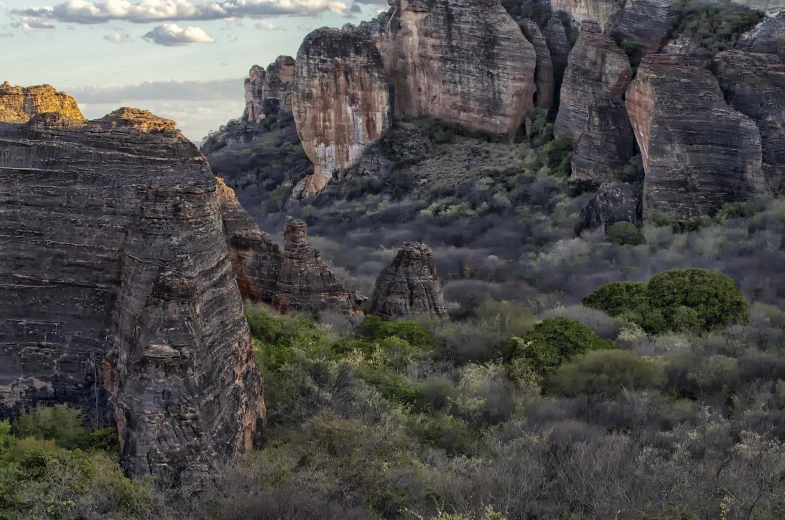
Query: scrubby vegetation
<point>716,26</point>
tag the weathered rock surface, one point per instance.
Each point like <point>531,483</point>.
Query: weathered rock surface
<point>754,84</point>
<point>648,22</point>
<point>614,202</point>
<point>594,10</point>
<point>18,104</point>
<point>409,286</point>
<point>305,282</point>
<point>768,37</point>
<point>117,294</point>
<point>559,47</point>
<point>462,61</point>
<point>342,102</point>
<point>761,5</point>
<point>598,71</point>
<point>698,153</point>
<point>543,97</point>
<point>606,144</point>
<point>269,91</point>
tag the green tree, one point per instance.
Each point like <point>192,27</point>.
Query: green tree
<point>606,373</point>
<point>625,234</point>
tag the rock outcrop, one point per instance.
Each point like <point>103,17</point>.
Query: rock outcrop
<point>698,153</point>
<point>754,84</point>
<point>647,22</point>
<point>614,202</point>
<point>462,61</point>
<point>582,10</point>
<point>768,37</point>
<point>559,47</point>
<point>306,283</point>
<point>117,294</point>
<point>19,104</point>
<point>409,286</point>
<point>269,91</point>
<point>342,102</point>
<point>543,97</point>
<point>598,71</point>
<point>606,144</point>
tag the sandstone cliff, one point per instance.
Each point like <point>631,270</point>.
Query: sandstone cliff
<point>594,10</point>
<point>18,104</point>
<point>342,102</point>
<point>606,143</point>
<point>614,202</point>
<point>543,97</point>
<point>117,294</point>
<point>767,37</point>
<point>269,91</point>
<point>697,152</point>
<point>754,84</point>
<point>409,286</point>
<point>559,47</point>
<point>648,22</point>
<point>597,72</point>
<point>462,61</point>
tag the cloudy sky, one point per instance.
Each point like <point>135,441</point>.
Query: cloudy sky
<point>181,59</point>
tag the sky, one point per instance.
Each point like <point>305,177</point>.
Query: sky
<point>181,59</point>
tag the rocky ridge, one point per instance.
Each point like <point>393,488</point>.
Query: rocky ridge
<point>19,104</point>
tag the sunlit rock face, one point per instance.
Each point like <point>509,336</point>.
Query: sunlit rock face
<point>698,152</point>
<point>117,294</point>
<point>342,102</point>
<point>269,91</point>
<point>19,104</point>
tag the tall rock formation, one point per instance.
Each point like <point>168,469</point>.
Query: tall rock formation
<point>409,286</point>
<point>559,47</point>
<point>582,10</point>
<point>117,294</point>
<point>754,84</point>
<point>597,72</point>
<point>19,104</point>
<point>305,282</point>
<point>342,101</point>
<point>462,61</point>
<point>698,153</point>
<point>606,144</point>
<point>648,22</point>
<point>768,37</point>
<point>543,97</point>
<point>614,202</point>
<point>269,91</point>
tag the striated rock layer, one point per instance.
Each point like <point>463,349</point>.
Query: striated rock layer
<point>117,294</point>
<point>409,286</point>
<point>582,10</point>
<point>648,22</point>
<point>18,104</point>
<point>559,47</point>
<point>544,71</point>
<point>342,102</point>
<point>598,71</point>
<point>606,144</point>
<point>754,84</point>
<point>462,61</point>
<point>698,153</point>
<point>269,91</point>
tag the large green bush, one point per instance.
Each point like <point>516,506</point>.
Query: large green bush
<point>677,300</point>
<point>606,373</point>
<point>625,234</point>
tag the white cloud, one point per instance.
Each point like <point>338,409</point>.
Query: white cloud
<point>144,11</point>
<point>27,23</point>
<point>305,27</point>
<point>267,25</point>
<point>117,38</point>
<point>233,38</point>
<point>2,5</point>
<point>170,35</point>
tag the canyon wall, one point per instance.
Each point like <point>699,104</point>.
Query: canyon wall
<point>581,10</point>
<point>117,294</point>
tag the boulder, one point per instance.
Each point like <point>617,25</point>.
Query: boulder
<point>754,84</point>
<point>698,153</point>
<point>461,61</point>
<point>597,71</point>
<point>647,22</point>
<point>543,97</point>
<point>614,202</point>
<point>606,144</point>
<point>342,102</point>
<point>117,295</point>
<point>409,286</point>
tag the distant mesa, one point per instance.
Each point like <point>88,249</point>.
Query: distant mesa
<point>19,104</point>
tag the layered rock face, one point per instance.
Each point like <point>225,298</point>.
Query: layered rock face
<point>768,37</point>
<point>19,104</point>
<point>559,47</point>
<point>698,153</point>
<point>462,61</point>
<point>614,202</point>
<point>117,294</point>
<point>754,84</point>
<point>647,22</point>
<point>305,282</point>
<point>606,144</point>
<point>597,71</point>
<point>409,286</point>
<point>269,91</point>
<point>342,102</point>
<point>543,97</point>
<point>581,10</point>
